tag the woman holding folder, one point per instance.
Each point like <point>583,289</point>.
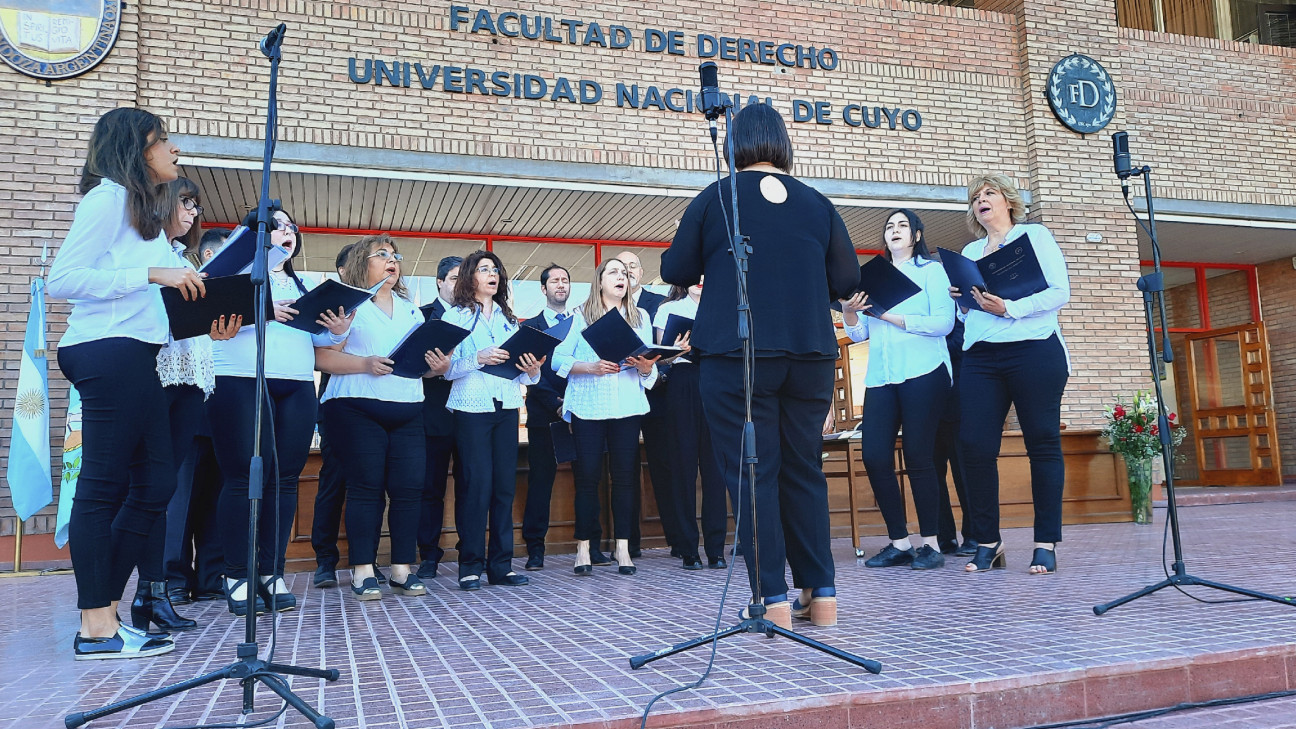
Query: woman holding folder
<point>691,443</point>
<point>486,407</point>
<point>1013,356</point>
<point>288,425</point>
<point>604,403</point>
<point>907,382</point>
<point>379,417</point>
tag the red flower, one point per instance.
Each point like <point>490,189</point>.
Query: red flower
<point>1172,416</point>
<point>1118,412</point>
<point>1154,430</point>
<point>1138,429</point>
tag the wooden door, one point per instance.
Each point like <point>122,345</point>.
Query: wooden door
<point>1231,398</point>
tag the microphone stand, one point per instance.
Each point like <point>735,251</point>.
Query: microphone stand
<point>756,622</point>
<point>1153,287</point>
<point>249,668</point>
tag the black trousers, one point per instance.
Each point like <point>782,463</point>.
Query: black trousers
<point>329,499</point>
<point>193,557</point>
<point>620,438</point>
<point>383,460</point>
<point>947,455</point>
<point>186,413</point>
<point>488,443</point>
<point>441,451</point>
<point>791,398</point>
<point>693,451</point>
<point>287,427</point>
<point>916,404</point>
<point>127,476</point>
<point>1032,376</point>
<point>542,468</point>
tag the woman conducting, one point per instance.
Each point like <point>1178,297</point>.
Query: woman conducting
<point>907,381</point>
<point>1013,356</point>
<point>801,260</point>
<point>605,404</point>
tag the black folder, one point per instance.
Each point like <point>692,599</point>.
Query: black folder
<point>676,325</point>
<point>436,334</point>
<point>329,296</point>
<point>887,287</point>
<point>1012,272</point>
<point>526,340</point>
<point>613,339</point>
<point>226,296</point>
<point>564,444</point>
<point>236,255</point>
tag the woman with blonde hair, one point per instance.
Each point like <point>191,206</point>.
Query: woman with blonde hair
<point>1014,355</point>
<point>604,403</point>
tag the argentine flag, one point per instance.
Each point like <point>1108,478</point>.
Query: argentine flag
<point>28,473</point>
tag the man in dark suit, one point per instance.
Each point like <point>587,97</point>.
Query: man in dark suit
<point>656,436</point>
<point>543,408</point>
<point>438,427</point>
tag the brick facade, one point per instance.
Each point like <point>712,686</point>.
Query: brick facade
<point>977,76</point>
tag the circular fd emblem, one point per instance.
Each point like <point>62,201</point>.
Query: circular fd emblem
<point>1081,93</point>
<point>56,39</point>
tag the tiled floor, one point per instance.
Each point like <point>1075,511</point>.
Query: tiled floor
<point>1272,714</point>
<point>555,653</point>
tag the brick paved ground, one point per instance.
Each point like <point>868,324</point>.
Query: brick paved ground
<point>555,653</point>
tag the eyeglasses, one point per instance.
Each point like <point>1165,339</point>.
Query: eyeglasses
<point>386,254</point>
<point>191,205</point>
<point>488,269</point>
<point>283,225</point>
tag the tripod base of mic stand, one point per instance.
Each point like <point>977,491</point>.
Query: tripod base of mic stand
<point>769,630</point>
<point>1182,579</point>
<point>246,670</point>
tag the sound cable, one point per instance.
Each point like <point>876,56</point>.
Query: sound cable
<point>1110,721</point>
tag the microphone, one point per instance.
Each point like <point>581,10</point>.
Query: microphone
<point>711,103</point>
<point>1120,154</point>
<point>270,44</point>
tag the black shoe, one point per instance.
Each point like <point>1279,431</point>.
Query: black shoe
<point>598,559</point>
<point>1044,558</point>
<point>412,587</point>
<point>427,569</point>
<point>367,591</point>
<point>152,606</point>
<point>179,596</point>
<point>535,562</point>
<point>239,607</point>
<point>469,583</point>
<point>282,600</point>
<point>968,548</point>
<point>927,558</point>
<point>207,595</point>
<point>717,563</point>
<point>583,570</point>
<point>628,569</point>
<point>512,579</point>
<point>692,563</point>
<point>988,558</point>
<point>125,644</point>
<point>890,557</point>
<point>325,576</point>
<point>949,546</point>
<point>636,553</point>
<point>378,575</point>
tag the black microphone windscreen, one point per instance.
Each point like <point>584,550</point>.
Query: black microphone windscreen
<point>709,74</point>
<point>1120,153</point>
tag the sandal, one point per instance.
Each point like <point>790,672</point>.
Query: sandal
<point>988,558</point>
<point>821,611</point>
<point>1045,558</point>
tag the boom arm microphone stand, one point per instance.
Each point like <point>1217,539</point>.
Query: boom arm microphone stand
<point>740,250</point>
<point>249,668</point>
<point>1153,287</point>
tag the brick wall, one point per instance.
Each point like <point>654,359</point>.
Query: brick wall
<point>976,75</point>
<point>1277,281</point>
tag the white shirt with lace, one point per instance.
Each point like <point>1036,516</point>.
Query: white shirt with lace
<point>187,361</point>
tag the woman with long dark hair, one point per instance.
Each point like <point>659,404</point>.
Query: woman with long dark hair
<point>111,266</point>
<point>604,404</point>
<point>801,260</point>
<point>186,371</point>
<point>288,423</point>
<point>1013,355</point>
<point>486,420</point>
<point>377,420</point>
<point>907,382</point>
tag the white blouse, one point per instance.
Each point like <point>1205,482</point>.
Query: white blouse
<point>601,397</point>
<point>290,353</point>
<point>374,333</point>
<point>102,269</point>
<point>188,361</point>
<point>897,354</point>
<point>473,391</point>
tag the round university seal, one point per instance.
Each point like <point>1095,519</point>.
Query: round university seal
<point>55,39</point>
<point>1081,93</point>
